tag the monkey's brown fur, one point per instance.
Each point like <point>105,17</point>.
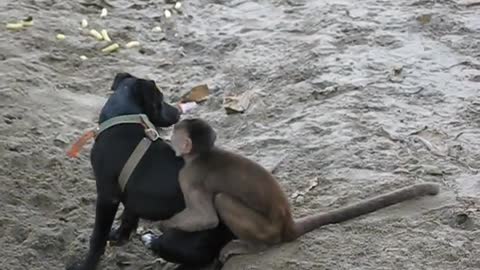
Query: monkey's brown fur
<point>247,197</point>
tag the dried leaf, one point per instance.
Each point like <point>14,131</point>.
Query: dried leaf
<point>424,19</point>
<point>198,93</point>
<point>396,74</point>
<point>238,104</point>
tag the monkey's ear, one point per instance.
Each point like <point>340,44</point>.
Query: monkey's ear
<point>118,78</point>
<point>188,147</point>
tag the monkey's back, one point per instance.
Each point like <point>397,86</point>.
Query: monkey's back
<point>245,180</point>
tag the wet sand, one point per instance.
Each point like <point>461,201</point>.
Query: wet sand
<point>353,98</point>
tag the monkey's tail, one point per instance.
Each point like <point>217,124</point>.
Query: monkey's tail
<point>309,223</point>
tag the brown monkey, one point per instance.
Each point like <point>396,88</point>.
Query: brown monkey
<point>247,198</point>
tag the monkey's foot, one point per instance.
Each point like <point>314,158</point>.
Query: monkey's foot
<point>239,247</point>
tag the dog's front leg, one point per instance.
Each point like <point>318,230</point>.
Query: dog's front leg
<point>129,222</point>
<point>104,215</point>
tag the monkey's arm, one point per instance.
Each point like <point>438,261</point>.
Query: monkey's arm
<point>199,213</point>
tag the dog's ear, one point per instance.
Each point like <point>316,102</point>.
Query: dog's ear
<point>151,99</point>
<point>118,78</point>
<point>148,96</point>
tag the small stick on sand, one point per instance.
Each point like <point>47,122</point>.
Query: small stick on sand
<point>473,4</point>
<point>430,147</point>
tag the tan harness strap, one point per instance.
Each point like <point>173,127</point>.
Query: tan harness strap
<point>151,134</point>
<point>132,162</point>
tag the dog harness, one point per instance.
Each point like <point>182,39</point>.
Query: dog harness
<point>151,134</point>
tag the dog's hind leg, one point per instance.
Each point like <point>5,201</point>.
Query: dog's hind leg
<point>104,215</point>
<point>192,249</point>
<point>128,223</point>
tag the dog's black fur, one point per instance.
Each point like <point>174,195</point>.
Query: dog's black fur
<point>153,191</point>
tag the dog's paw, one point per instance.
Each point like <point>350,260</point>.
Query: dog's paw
<point>148,239</point>
<point>116,238</point>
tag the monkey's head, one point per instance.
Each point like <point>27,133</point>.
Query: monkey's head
<point>193,136</point>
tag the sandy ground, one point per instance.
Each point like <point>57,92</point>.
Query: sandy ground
<point>331,116</point>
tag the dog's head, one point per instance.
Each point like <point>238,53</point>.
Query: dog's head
<point>132,95</point>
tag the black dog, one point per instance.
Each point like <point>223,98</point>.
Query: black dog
<point>153,191</point>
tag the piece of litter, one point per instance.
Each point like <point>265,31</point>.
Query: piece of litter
<point>238,104</point>
<point>300,199</point>
<point>105,36</point>
<point>21,24</point>
<point>397,69</point>
<point>188,106</point>
<point>198,93</point>
<point>60,36</point>
<point>111,48</point>
<point>103,13</point>
<point>299,196</point>
<point>84,23</point>
<point>132,44</point>
<point>83,57</point>
<point>157,29</point>
<point>28,21</point>
<point>168,13</point>
<point>15,26</point>
<point>296,194</point>
<point>313,184</point>
<point>96,34</point>
<point>396,75</point>
<point>424,19</point>
<point>178,5</point>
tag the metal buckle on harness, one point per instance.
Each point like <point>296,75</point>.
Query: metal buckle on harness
<point>152,134</point>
